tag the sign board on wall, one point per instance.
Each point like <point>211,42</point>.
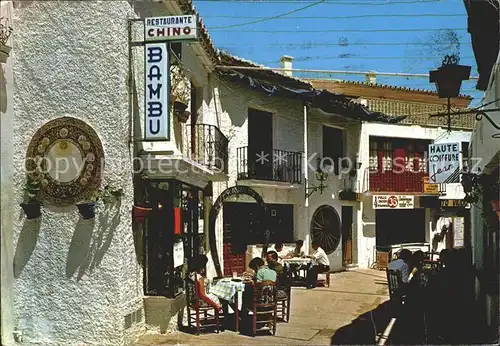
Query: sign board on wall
<point>393,202</point>
<point>458,231</point>
<point>444,163</point>
<point>178,254</point>
<point>157,95</point>
<point>430,189</point>
<point>171,28</point>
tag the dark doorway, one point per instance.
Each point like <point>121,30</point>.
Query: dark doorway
<point>400,226</point>
<point>260,144</point>
<point>244,225</point>
<point>347,234</point>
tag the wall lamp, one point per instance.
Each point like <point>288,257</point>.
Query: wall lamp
<point>321,176</point>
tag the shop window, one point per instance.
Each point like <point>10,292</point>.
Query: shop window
<point>333,146</point>
<point>173,224</point>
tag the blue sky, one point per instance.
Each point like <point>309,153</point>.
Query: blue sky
<point>356,35</point>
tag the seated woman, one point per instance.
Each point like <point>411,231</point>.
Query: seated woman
<point>197,275</point>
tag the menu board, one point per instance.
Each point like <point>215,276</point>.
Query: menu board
<point>458,231</point>
<point>178,254</point>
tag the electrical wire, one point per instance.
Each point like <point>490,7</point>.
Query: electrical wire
<point>348,17</point>
<point>299,31</point>
<point>358,2</point>
<point>270,18</point>
<point>343,44</point>
<point>348,56</point>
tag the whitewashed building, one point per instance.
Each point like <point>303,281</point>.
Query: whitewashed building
<point>421,217</point>
<point>484,154</point>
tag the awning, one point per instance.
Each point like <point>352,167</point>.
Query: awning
<point>330,103</point>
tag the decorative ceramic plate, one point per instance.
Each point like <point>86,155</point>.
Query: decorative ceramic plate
<point>67,157</point>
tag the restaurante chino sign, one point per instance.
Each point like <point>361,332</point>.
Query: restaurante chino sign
<point>158,31</point>
<point>171,28</point>
<point>393,202</point>
<point>444,163</point>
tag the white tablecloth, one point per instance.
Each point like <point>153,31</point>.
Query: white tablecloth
<point>297,261</point>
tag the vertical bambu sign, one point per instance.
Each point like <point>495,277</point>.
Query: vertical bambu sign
<point>156,98</point>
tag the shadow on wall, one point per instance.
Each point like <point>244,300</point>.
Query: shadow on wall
<point>160,311</point>
<point>138,230</point>
<point>3,92</point>
<point>26,244</point>
<point>87,251</point>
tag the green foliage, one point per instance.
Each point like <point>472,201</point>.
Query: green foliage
<point>107,195</point>
<point>31,189</point>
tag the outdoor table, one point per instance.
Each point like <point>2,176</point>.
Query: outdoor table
<point>296,264</point>
<point>230,291</point>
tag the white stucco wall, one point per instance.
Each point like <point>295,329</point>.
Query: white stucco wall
<point>7,187</point>
<point>366,232</point>
<point>80,279</point>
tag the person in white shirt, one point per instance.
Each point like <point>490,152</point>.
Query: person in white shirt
<point>278,247</point>
<point>321,264</point>
<point>401,264</point>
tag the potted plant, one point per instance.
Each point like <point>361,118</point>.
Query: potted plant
<point>5,32</point>
<point>31,204</point>
<point>98,198</point>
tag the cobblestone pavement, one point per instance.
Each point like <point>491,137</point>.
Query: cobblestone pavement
<point>351,311</point>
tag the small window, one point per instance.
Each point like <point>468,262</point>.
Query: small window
<point>465,155</point>
<point>333,146</point>
<point>373,156</point>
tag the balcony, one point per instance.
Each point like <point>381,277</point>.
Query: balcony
<point>207,145</point>
<point>394,181</point>
<point>274,165</point>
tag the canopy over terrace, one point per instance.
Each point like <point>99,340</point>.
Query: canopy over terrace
<point>277,84</point>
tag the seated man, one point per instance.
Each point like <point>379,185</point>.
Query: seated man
<point>321,264</point>
<point>297,251</point>
<point>272,263</point>
<point>402,264</point>
<point>278,247</point>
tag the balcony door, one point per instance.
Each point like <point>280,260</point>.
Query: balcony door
<point>399,164</point>
<point>260,144</point>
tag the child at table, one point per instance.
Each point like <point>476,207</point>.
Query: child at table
<point>197,269</point>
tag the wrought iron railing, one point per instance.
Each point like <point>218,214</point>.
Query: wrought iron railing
<point>394,181</point>
<point>207,145</point>
<point>272,165</point>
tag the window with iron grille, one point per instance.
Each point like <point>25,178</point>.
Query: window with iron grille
<point>373,156</point>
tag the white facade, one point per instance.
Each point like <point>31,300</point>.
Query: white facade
<point>366,239</point>
<point>485,150</point>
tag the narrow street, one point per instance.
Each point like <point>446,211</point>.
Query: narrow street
<point>351,311</point>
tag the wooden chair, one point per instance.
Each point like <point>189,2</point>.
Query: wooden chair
<point>396,288</point>
<point>264,304</point>
<point>284,296</point>
<point>324,282</point>
<point>199,312</point>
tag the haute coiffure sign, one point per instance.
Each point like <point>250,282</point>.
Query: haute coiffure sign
<point>444,163</point>
<point>158,32</point>
<point>171,28</point>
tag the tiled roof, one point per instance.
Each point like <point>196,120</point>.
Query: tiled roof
<point>188,8</point>
<point>380,86</point>
<point>228,59</point>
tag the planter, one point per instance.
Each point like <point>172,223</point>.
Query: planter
<point>140,213</point>
<point>86,210</point>
<point>32,209</point>
<point>348,196</point>
<point>4,53</point>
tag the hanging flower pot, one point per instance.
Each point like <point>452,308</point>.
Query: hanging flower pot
<point>140,213</point>
<point>32,209</point>
<point>4,53</point>
<point>86,210</point>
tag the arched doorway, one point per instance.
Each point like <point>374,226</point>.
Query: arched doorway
<point>326,228</point>
<point>232,191</point>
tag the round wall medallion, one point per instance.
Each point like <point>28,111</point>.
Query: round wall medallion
<point>66,155</point>
<point>325,228</point>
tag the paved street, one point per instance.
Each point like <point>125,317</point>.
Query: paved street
<point>339,314</point>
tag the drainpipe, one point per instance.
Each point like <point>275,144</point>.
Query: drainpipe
<point>306,176</point>
<point>207,207</point>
